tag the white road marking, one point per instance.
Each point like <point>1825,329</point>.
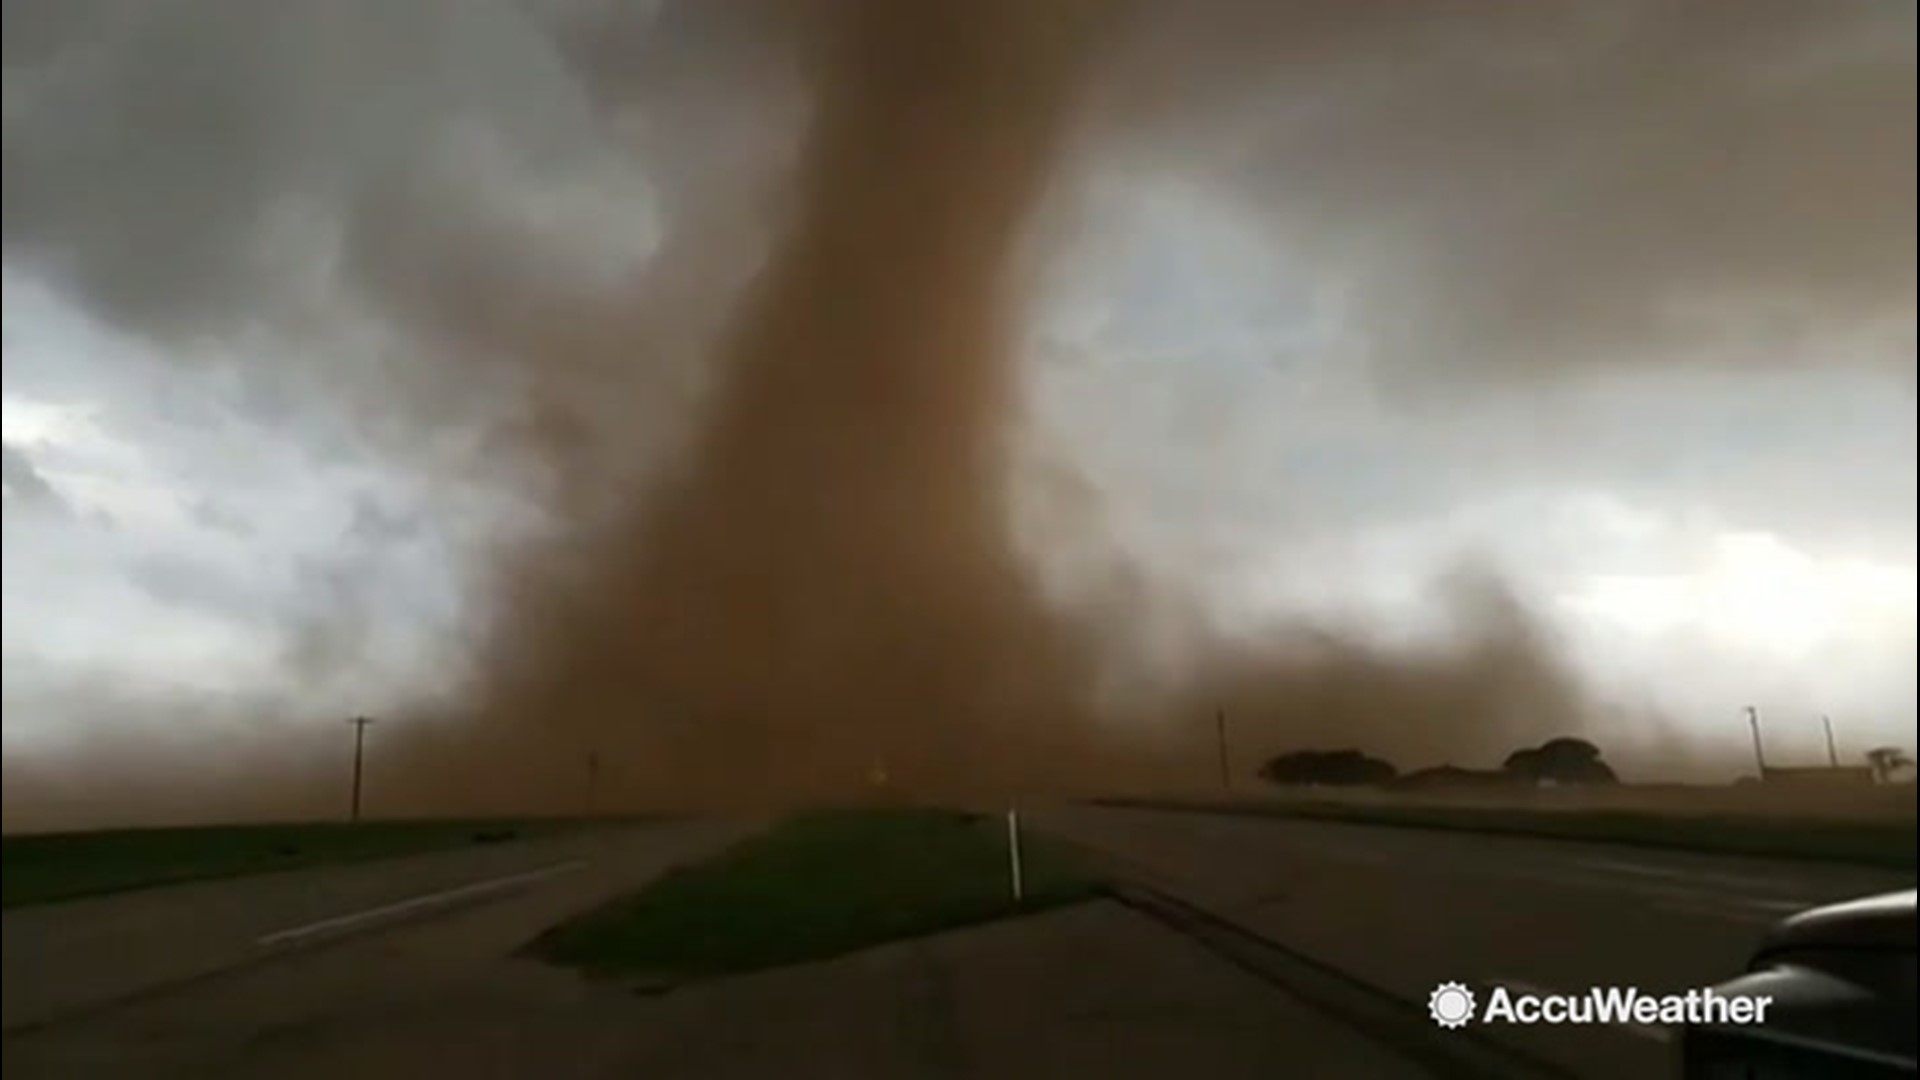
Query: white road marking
<point>1645,1031</point>
<point>1713,894</point>
<point>1769,906</point>
<point>1783,906</point>
<point>1715,878</point>
<point>1702,894</point>
<point>427,901</point>
<point>1714,911</point>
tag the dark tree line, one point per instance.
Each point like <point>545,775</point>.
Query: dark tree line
<point>1349,768</point>
<point>1562,761</point>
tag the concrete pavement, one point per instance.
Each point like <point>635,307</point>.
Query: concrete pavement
<point>1407,909</point>
<point>59,959</point>
<point>1092,990</point>
<point>1096,990</point>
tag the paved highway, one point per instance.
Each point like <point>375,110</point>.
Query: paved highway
<point>66,959</point>
<point>1094,990</point>
<point>306,974</point>
<point>1408,909</point>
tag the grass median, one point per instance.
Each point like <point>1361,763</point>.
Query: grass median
<point>42,868</point>
<point>814,887</point>
<point>1887,843</point>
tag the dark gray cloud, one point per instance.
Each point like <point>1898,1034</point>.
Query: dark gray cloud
<point>1519,187</point>
<point>180,581</point>
<point>217,516</point>
<point>235,121</point>
<point>379,525</point>
<point>26,487</point>
<point>1525,186</point>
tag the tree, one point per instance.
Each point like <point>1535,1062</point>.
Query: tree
<point>1341,768</point>
<point>1560,761</point>
<point>1567,749</point>
<point>1523,764</point>
<point>1451,776</point>
<point>1887,760</point>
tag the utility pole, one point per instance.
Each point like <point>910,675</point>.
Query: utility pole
<point>359,759</point>
<point>1220,730</point>
<point>1759,752</point>
<point>1833,753</point>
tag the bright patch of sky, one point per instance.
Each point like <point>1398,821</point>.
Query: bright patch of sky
<point>156,533</point>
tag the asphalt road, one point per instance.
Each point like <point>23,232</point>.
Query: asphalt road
<point>66,959</point>
<point>409,963</point>
<point>1091,990</point>
<point>1409,909</point>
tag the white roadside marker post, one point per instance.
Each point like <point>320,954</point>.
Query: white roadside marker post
<point>1013,854</point>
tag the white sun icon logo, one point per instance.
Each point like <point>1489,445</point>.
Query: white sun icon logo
<point>1451,1004</point>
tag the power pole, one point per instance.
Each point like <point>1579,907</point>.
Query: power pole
<point>1833,753</point>
<point>1759,752</point>
<point>359,759</point>
<point>1220,730</point>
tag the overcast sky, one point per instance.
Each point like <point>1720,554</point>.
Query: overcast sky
<point>1308,366</point>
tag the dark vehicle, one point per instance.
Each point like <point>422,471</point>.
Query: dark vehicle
<point>1841,980</point>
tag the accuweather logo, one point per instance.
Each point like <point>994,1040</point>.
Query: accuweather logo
<point>1453,1005</point>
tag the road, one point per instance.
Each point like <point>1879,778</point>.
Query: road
<point>1090,990</point>
<point>1408,909</point>
<point>409,965</point>
<point>67,959</point>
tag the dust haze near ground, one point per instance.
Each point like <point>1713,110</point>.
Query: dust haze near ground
<point>782,563</point>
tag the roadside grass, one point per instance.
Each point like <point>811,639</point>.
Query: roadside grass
<point>47,867</point>
<point>1888,843</point>
<point>816,886</point>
